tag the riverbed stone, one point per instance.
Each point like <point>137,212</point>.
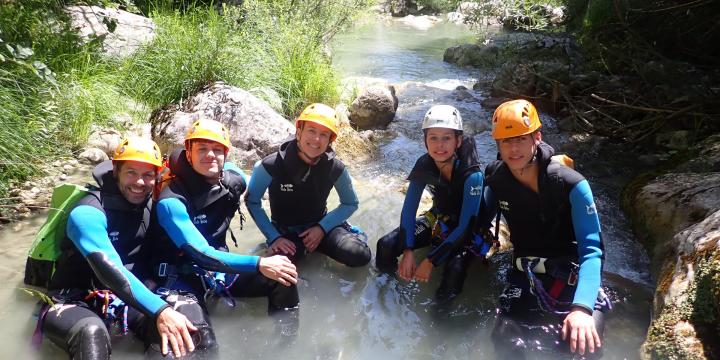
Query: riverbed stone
<point>415,95</point>
<point>673,202</point>
<point>400,8</point>
<point>92,156</point>
<point>106,140</point>
<point>122,33</point>
<point>421,22</point>
<point>707,158</point>
<point>374,108</point>
<point>472,55</point>
<point>256,130</point>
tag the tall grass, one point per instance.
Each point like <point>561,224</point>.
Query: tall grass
<point>54,87</point>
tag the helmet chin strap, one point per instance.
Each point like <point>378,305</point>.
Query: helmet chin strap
<point>532,160</point>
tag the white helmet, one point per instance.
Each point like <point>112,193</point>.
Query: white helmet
<point>443,116</point>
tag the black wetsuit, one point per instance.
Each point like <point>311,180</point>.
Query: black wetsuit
<point>194,218</point>
<point>558,223</point>
<point>457,201</point>
<point>104,235</point>
<point>298,201</point>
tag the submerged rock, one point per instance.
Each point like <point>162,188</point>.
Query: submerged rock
<point>374,108</point>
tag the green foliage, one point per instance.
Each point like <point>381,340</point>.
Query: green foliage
<point>440,5</point>
<point>277,45</point>
<point>525,15</point>
<point>189,51</point>
<point>55,86</point>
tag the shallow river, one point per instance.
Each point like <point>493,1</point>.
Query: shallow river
<point>358,313</point>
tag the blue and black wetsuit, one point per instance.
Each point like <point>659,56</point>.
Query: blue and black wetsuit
<point>558,223</point>
<point>298,201</point>
<point>455,203</point>
<point>194,218</point>
<point>104,234</point>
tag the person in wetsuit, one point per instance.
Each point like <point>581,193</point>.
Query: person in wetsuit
<point>555,232</point>
<point>191,220</point>
<point>104,231</point>
<point>451,171</point>
<point>299,178</point>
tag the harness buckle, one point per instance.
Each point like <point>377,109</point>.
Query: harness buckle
<point>572,278</point>
<point>162,269</point>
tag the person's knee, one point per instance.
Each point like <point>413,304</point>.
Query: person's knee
<point>386,251</point>
<point>89,339</point>
<point>204,337</point>
<point>283,297</point>
<point>359,256</point>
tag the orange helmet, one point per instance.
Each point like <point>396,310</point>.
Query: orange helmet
<point>207,129</point>
<point>514,118</point>
<point>140,150</point>
<point>320,114</point>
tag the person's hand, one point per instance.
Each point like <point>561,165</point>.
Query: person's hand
<point>423,271</point>
<point>278,268</point>
<point>282,246</point>
<point>406,270</point>
<point>312,237</point>
<point>579,326</point>
<point>175,328</point>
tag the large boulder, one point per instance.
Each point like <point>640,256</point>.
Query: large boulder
<point>678,216</point>
<point>256,130</point>
<point>422,22</point>
<point>673,202</point>
<point>106,140</point>
<point>472,55</point>
<point>400,8</point>
<point>374,108</point>
<point>122,32</point>
<point>687,300</point>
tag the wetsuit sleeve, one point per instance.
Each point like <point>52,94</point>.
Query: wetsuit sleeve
<point>174,218</point>
<point>472,196</point>
<point>409,211</point>
<point>348,203</point>
<point>259,182</point>
<point>590,250</point>
<point>488,207</point>
<point>87,229</point>
<point>230,166</point>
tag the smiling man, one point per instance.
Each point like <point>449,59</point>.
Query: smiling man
<point>104,232</point>
<point>193,216</point>
<point>299,178</point>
